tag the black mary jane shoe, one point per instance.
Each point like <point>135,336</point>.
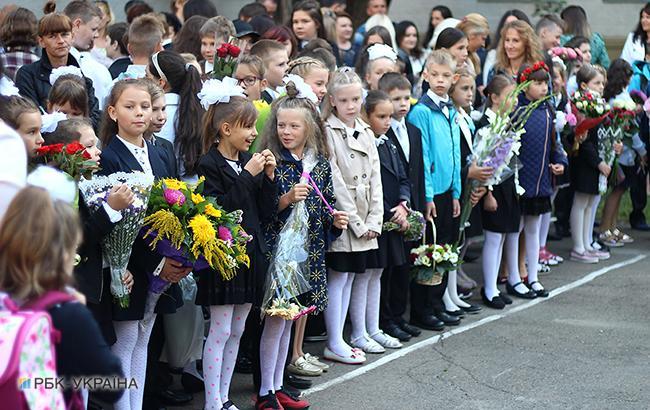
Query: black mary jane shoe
<point>505,298</point>
<point>496,302</point>
<point>512,290</point>
<point>297,382</point>
<point>472,309</point>
<point>542,293</point>
<point>428,322</point>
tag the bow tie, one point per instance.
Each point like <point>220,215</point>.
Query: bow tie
<point>381,139</point>
<point>448,104</point>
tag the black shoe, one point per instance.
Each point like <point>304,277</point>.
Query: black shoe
<point>244,365</point>
<point>448,320</point>
<point>412,330</point>
<point>512,291</point>
<point>472,309</point>
<point>191,383</point>
<point>395,331</point>
<point>174,398</point>
<point>641,227</point>
<point>428,322</point>
<point>464,293</point>
<point>505,298</point>
<point>495,303</point>
<point>296,382</point>
<point>542,293</point>
<point>458,313</point>
<point>316,338</point>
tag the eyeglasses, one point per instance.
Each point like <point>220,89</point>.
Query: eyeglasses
<point>248,81</point>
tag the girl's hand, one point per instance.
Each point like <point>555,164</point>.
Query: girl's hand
<point>456,208</point>
<point>430,212</point>
<point>557,169</point>
<point>256,164</point>
<point>476,195</point>
<point>490,203</point>
<point>403,227</point>
<point>399,214</point>
<point>479,173</point>
<point>370,235</point>
<point>618,147</point>
<point>120,197</point>
<point>341,220</point>
<point>127,280</point>
<point>299,192</point>
<point>270,163</point>
<point>604,169</point>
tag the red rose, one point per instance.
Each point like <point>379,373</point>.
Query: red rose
<point>86,155</point>
<point>44,150</point>
<point>222,51</point>
<point>234,50</point>
<point>74,147</point>
<point>55,148</point>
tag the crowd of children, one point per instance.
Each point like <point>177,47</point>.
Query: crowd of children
<point>360,128</point>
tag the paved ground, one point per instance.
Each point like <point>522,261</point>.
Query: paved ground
<point>584,347</point>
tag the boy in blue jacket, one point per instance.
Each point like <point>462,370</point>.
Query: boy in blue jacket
<point>435,116</point>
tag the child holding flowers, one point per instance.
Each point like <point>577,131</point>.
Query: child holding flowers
<point>239,181</point>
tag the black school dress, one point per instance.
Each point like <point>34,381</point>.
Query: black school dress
<point>584,165</point>
<point>257,197</point>
<point>396,188</point>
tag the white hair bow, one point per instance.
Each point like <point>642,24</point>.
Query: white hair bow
<point>57,183</point>
<point>67,69</point>
<point>304,89</point>
<point>49,122</point>
<point>219,91</point>
<point>376,51</point>
<point>557,60</point>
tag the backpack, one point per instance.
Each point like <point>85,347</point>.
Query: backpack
<point>27,351</point>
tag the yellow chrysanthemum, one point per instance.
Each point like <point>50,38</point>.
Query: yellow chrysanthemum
<point>197,198</point>
<point>172,183</point>
<point>202,229</point>
<point>166,225</point>
<point>212,211</point>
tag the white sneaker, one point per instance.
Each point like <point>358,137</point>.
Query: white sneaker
<point>386,341</point>
<point>314,360</point>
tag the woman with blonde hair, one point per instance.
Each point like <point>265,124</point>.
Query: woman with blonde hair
<point>518,46</point>
<point>477,29</point>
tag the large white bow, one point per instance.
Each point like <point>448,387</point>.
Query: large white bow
<point>376,51</point>
<point>219,91</point>
<point>49,122</point>
<point>304,89</point>
<point>67,69</point>
<point>58,184</point>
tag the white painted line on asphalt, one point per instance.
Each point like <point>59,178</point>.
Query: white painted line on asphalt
<point>461,329</point>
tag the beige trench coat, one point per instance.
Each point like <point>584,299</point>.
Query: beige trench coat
<point>356,177</point>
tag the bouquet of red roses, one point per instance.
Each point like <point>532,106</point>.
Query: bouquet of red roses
<point>225,60</point>
<point>72,158</point>
<point>590,110</point>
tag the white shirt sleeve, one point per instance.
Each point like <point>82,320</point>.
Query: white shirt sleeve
<point>113,215</point>
<point>13,167</point>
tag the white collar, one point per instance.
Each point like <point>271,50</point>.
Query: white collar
<point>436,98</point>
<point>138,70</point>
<point>132,147</point>
<point>490,114</point>
<point>172,99</point>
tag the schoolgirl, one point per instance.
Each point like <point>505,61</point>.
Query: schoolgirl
<point>23,115</point>
<point>381,59</point>
<point>68,95</point>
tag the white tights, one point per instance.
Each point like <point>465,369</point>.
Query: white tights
<point>495,246</point>
<point>274,347</point>
<point>131,348</point>
<point>581,230</point>
<point>364,303</point>
<point>227,324</point>
<point>339,287</point>
<point>531,230</point>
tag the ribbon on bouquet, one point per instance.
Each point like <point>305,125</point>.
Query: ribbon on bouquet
<point>311,181</point>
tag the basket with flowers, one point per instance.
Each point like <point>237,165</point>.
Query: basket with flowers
<point>192,229</point>
<point>430,262</point>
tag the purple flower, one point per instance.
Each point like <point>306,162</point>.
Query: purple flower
<point>174,197</point>
<point>225,234</point>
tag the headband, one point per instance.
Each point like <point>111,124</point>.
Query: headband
<point>219,91</point>
<point>377,51</point>
<point>154,60</point>
<point>65,70</point>
<point>540,65</point>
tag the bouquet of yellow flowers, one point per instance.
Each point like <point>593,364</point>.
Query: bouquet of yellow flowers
<point>192,229</point>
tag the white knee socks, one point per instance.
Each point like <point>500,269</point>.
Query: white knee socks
<point>492,251</point>
<point>274,346</point>
<point>338,285</point>
<point>374,291</point>
<point>531,230</point>
<point>592,221</point>
<point>511,250</point>
<point>358,305</point>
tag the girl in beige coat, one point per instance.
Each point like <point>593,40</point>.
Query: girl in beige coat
<point>357,185</point>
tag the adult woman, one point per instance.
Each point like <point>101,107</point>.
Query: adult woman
<point>307,25</point>
<point>476,28</point>
<point>438,14</point>
<point>408,41</point>
<point>491,58</point>
<point>344,33</point>
<point>33,80</point>
<point>634,48</point>
<point>18,37</point>
<point>284,36</point>
<point>576,24</point>
<point>518,46</point>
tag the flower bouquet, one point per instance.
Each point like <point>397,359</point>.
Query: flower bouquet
<point>288,275</point>
<point>183,225</point>
<point>116,246</point>
<point>225,60</point>
<point>620,127</point>
<point>415,231</point>
<point>430,262</point>
<point>72,158</point>
<point>590,110</point>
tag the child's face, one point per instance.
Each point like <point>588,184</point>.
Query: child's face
<point>347,101</point>
<point>558,83</point>
<point>463,94</point>
<point>597,84</point>
<point>537,90</point>
<point>401,100</point>
<point>292,129</point>
<point>67,109</point>
<point>585,48</point>
<point>132,112</point>
<point>208,47</point>
<point>460,51</point>
<point>379,119</point>
<point>158,115</point>
<point>502,98</point>
<point>249,80</point>
<point>276,67</point>
<point>317,80</point>
<point>304,26</point>
<point>440,78</point>
<point>376,69</point>
<point>239,137</point>
<point>30,131</point>
<point>89,140</point>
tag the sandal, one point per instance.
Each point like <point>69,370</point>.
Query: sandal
<point>368,345</point>
<point>622,237</point>
<point>386,340</point>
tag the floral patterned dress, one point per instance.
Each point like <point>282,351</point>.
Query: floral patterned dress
<point>321,230</point>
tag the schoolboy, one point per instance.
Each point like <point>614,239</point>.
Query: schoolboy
<point>275,58</point>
